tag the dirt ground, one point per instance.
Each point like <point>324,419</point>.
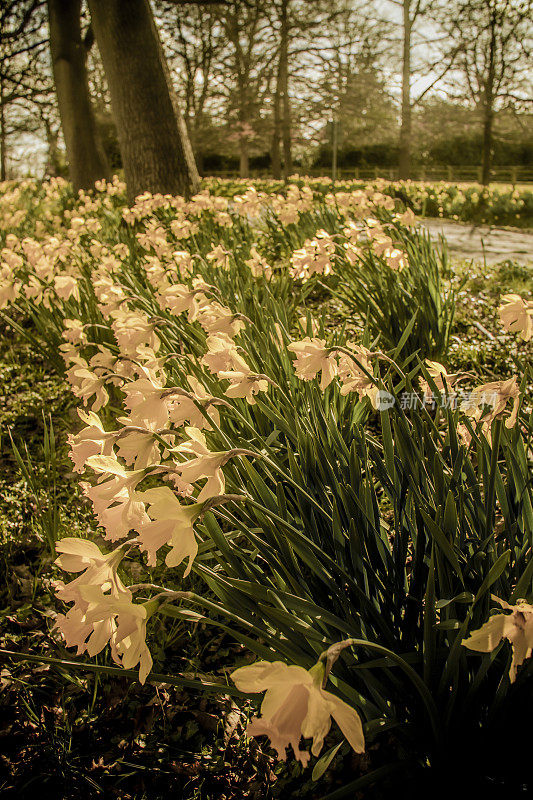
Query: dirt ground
<point>482,242</point>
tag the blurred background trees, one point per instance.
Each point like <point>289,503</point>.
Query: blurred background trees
<point>493,41</point>
<point>271,85</point>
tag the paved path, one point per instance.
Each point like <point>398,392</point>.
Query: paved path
<point>476,241</point>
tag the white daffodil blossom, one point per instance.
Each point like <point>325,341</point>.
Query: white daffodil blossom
<point>258,265</point>
<point>244,384</point>
<point>138,446</point>
<point>146,401</point>
<point>216,318</point>
<point>495,395</point>
<point>353,376</point>
<point>132,330</point>
<point>90,441</point>
<point>219,256</point>
<point>74,331</point>
<point>516,627</point>
<point>66,286</point>
<point>441,378</point>
<point>104,358</point>
<point>179,298</point>
<point>295,705</point>
<point>103,610</point>
<point>170,523</point>
<point>127,622</point>
<point>114,498</point>
<point>312,357</point>
<point>96,568</point>
<point>516,315</point>
<point>79,633</point>
<point>205,464</point>
<point>408,218</point>
<point>222,355</point>
<point>85,384</point>
<point>314,257</point>
<point>183,406</point>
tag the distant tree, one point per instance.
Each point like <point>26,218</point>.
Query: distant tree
<point>493,39</point>
<point>419,20</point>
<point>367,112</point>
<point>426,57</point>
<point>25,80</point>
<point>282,133</point>
<point>409,16</point>
<point>154,143</point>
<point>248,65</point>
<point>194,42</point>
<point>349,105</point>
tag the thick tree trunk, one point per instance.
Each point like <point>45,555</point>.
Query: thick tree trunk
<point>154,143</point>
<point>85,153</point>
<point>488,110</point>
<point>404,162</point>
<point>284,85</point>
<point>194,177</point>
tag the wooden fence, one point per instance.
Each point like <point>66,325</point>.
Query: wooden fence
<point>511,175</point>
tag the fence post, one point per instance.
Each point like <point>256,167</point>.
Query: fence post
<point>449,172</point>
<point>357,173</point>
<point>513,176</point>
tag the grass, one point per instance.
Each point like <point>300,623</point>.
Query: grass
<point>73,734</point>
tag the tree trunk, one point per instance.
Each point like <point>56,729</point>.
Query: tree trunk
<point>334,148</point>
<point>194,177</point>
<point>3,159</point>
<point>284,80</point>
<point>488,109</point>
<point>154,143</point>
<point>244,128</point>
<point>85,153</point>
<point>404,162</point>
<point>244,157</point>
<point>195,128</point>
<point>275,153</point>
<point>52,169</point>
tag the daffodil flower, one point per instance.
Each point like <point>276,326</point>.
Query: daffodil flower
<point>114,499</point>
<point>312,357</point>
<point>496,395</point>
<point>96,568</point>
<point>516,315</point>
<point>516,627</point>
<point>90,441</point>
<point>244,384</point>
<point>170,523</point>
<point>296,705</point>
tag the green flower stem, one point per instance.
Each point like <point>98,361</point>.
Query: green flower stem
<point>119,672</point>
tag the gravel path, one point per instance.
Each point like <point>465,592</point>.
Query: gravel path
<point>478,241</point>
